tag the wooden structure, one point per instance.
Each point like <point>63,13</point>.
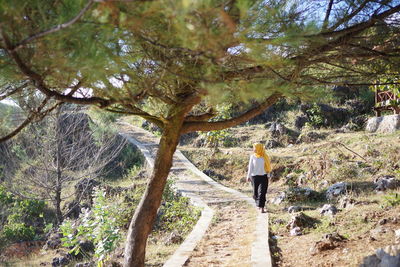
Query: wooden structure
<point>386,100</point>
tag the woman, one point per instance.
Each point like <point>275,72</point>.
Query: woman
<point>259,168</point>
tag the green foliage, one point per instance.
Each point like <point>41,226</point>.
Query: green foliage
<point>18,232</point>
<point>315,116</point>
<point>98,225</point>
<point>344,172</point>
<point>176,212</point>
<point>20,216</point>
<point>214,138</point>
<point>391,199</point>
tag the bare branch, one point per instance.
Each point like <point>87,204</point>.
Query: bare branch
<point>327,15</point>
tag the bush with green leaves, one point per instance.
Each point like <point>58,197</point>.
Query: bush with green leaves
<point>392,199</point>
<point>176,213</point>
<point>315,115</point>
<point>98,225</point>
<point>224,137</point>
<point>19,216</point>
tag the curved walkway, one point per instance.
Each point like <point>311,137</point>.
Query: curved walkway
<point>203,192</point>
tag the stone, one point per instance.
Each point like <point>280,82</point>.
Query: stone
<point>328,209</point>
<point>279,199</point>
<point>336,190</point>
<point>272,144</point>
<point>295,231</point>
<point>300,220</point>
<point>346,202</point>
<point>84,188</point>
<point>277,129</point>
<point>53,240</point>
<point>397,235</point>
<point>60,261</point>
<point>86,246</point>
<point>213,174</point>
<point>310,137</point>
<point>377,232</point>
<point>173,238</point>
<point>85,264</point>
<point>385,182</point>
<point>384,124</point>
<point>300,121</point>
<point>293,209</point>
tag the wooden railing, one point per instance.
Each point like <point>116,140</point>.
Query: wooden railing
<point>386,100</point>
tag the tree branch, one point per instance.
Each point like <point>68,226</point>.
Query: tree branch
<point>37,115</point>
<point>202,117</point>
<point>37,80</point>
<point>53,29</point>
<point>13,91</point>
<point>192,126</point>
<point>327,15</point>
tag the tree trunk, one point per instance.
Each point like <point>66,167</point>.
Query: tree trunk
<point>145,214</point>
<point>57,204</point>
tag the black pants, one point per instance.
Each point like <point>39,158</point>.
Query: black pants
<point>260,186</point>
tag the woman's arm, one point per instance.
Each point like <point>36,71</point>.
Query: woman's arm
<point>250,168</point>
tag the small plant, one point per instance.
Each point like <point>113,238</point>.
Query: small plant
<point>98,225</point>
<point>392,199</point>
<point>315,116</point>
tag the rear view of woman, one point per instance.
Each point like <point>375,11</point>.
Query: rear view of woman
<point>259,168</point>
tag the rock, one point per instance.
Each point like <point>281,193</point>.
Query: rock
<point>85,264</point>
<point>277,129</point>
<point>295,231</point>
<point>272,144</point>
<point>328,241</point>
<point>323,184</point>
<point>385,124</point>
<point>382,221</point>
<point>84,189</point>
<point>328,209</point>
<point>336,190</point>
<point>60,261</point>
<point>300,220</point>
<point>293,209</point>
<point>346,203</point>
<point>213,174</point>
<point>86,246</point>
<point>384,257</point>
<point>301,179</point>
<point>376,233</point>
<point>397,236</point>
<point>173,238</point>
<point>279,199</point>
<point>310,137</point>
<point>300,121</point>
<point>385,182</point>
<point>278,221</point>
<point>53,241</point>
<point>295,194</point>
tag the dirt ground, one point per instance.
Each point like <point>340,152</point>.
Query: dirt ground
<point>228,241</point>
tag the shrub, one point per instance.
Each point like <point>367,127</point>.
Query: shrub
<point>18,232</point>
<point>176,213</point>
<point>392,199</point>
<point>98,225</point>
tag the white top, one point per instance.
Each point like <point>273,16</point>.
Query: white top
<point>256,166</point>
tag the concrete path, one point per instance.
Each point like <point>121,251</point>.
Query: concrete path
<point>204,193</point>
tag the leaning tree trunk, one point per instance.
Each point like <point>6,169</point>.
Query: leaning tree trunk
<point>145,214</point>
